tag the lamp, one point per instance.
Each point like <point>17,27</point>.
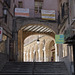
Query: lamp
<point>38,40</point>
<point>4,13</point>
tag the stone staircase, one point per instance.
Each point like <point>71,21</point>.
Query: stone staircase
<point>34,68</point>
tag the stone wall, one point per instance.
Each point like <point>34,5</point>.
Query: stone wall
<point>3,59</point>
<point>22,22</point>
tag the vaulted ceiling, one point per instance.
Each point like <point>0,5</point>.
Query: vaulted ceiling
<point>37,28</point>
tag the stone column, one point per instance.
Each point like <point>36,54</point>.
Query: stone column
<point>47,55</point>
<point>44,53</point>
<point>41,52</point>
<point>28,55</point>
<point>56,59</point>
<point>36,53</point>
<point>24,56</point>
<point>32,54</point>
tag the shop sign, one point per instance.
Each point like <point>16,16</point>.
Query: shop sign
<point>48,14</point>
<point>1,31</point>
<point>21,12</point>
<point>59,39</point>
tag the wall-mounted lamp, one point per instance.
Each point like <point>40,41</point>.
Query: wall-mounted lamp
<point>4,13</point>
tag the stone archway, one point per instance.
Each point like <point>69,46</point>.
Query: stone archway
<point>23,23</point>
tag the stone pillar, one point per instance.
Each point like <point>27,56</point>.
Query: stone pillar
<point>36,53</point>
<point>20,45</point>
<point>44,55</point>
<point>47,55</point>
<point>44,50</point>
<point>32,54</point>
<point>41,52</point>
<point>37,56</point>
<point>24,56</point>
<point>56,53</point>
<point>28,55</point>
<point>50,55</point>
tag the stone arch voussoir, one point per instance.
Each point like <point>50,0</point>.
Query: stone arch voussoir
<point>25,22</point>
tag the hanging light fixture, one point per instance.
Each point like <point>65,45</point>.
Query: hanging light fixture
<point>38,40</point>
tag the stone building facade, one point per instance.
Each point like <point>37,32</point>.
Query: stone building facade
<point>6,19</point>
<point>6,24</point>
<point>16,31</point>
<point>66,27</point>
<point>34,21</point>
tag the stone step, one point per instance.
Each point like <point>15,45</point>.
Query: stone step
<point>39,68</point>
<point>32,74</point>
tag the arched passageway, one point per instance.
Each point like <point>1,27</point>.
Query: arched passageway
<point>39,51</point>
<point>28,48</point>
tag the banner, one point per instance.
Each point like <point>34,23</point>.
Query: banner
<point>1,31</point>
<point>48,14</point>
<point>21,12</point>
<point>59,39</point>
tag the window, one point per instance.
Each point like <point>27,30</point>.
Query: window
<point>7,2</point>
<point>38,6</point>
<point>20,4</point>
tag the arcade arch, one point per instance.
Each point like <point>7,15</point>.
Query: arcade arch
<point>31,51</point>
